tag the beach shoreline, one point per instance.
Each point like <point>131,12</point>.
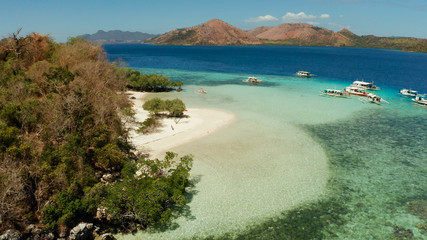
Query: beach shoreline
<point>174,132</point>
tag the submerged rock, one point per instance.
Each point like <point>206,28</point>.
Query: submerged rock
<point>402,233</point>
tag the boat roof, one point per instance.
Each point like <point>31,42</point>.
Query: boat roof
<point>355,88</point>
<point>303,72</point>
<point>362,82</point>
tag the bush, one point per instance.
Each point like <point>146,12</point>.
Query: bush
<point>109,157</point>
<point>154,106</point>
<point>151,83</point>
<point>175,107</point>
<point>147,199</point>
<point>148,125</point>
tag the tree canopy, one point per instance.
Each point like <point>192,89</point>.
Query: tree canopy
<point>61,132</point>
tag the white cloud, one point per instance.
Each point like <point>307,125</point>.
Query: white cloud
<point>301,16</point>
<point>266,18</point>
<point>324,16</point>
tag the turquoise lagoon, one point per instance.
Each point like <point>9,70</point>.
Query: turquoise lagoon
<point>297,165</point>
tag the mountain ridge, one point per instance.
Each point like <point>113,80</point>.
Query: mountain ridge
<point>217,32</point>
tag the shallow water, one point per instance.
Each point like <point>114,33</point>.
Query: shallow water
<point>297,165</point>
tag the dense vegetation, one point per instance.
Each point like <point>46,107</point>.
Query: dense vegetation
<point>150,83</point>
<point>174,108</point>
<point>62,136</point>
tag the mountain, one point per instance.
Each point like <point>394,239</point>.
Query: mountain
<point>212,32</point>
<point>217,32</point>
<point>117,36</point>
<point>304,34</point>
<point>258,30</point>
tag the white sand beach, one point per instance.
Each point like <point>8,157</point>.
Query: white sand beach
<point>174,132</point>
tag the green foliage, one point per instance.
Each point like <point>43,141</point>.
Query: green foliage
<point>74,40</point>
<point>65,210</point>
<point>175,107</point>
<point>10,114</point>
<point>8,137</point>
<point>154,105</point>
<point>58,77</point>
<point>61,130</point>
<point>146,199</point>
<point>109,157</point>
<point>148,125</point>
<point>150,83</point>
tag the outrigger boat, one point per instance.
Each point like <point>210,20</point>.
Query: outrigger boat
<point>373,99</point>
<point>304,74</point>
<point>420,100</point>
<point>365,85</point>
<point>334,93</point>
<point>356,91</point>
<point>408,93</point>
<point>252,80</point>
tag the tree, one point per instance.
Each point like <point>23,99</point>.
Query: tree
<point>154,106</point>
<point>175,107</point>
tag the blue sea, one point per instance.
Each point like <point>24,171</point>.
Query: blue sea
<point>295,164</point>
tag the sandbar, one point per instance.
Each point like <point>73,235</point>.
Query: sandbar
<point>173,132</point>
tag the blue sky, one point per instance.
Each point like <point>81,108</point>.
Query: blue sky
<point>62,19</point>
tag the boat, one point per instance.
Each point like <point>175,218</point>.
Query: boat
<point>304,74</point>
<point>356,91</point>
<point>372,98</point>
<point>365,85</point>
<point>375,98</point>
<point>252,80</point>
<point>420,100</point>
<point>201,91</point>
<point>334,93</point>
<point>408,92</point>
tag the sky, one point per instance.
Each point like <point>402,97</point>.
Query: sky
<point>63,19</point>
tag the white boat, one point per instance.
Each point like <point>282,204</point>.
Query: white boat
<point>372,98</point>
<point>408,92</point>
<point>334,93</point>
<point>365,85</point>
<point>356,91</point>
<point>375,98</point>
<point>304,74</point>
<point>252,80</point>
<point>420,100</point>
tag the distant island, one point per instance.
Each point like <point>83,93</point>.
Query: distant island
<point>217,32</point>
<point>117,36</point>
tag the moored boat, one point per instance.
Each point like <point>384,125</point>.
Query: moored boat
<point>375,98</point>
<point>356,91</point>
<point>334,93</point>
<point>408,92</point>
<point>252,80</point>
<point>420,100</point>
<point>304,74</point>
<point>365,85</point>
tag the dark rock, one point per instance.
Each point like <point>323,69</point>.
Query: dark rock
<point>81,232</point>
<point>402,233</point>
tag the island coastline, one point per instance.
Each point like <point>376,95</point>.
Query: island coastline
<point>174,132</point>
